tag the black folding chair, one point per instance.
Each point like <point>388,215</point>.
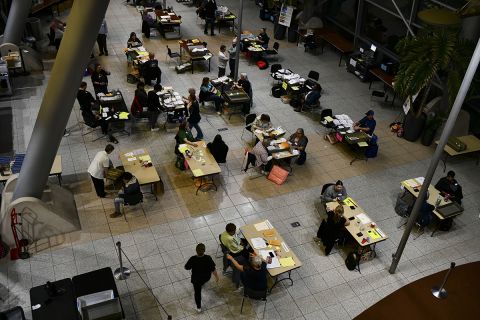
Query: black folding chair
<point>255,295</point>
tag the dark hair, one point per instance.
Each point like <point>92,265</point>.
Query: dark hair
<point>339,183</point>
<point>109,148</point>
<point>218,138</point>
<point>265,117</point>
<point>182,125</point>
<point>157,87</point>
<point>301,130</point>
<point>230,227</point>
<point>205,80</point>
<point>140,84</point>
<point>200,249</point>
<point>83,84</point>
<point>451,173</point>
<point>264,29</point>
<point>223,47</point>
<point>133,34</point>
<point>127,175</point>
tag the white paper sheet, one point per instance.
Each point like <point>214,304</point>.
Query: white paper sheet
<point>261,226</point>
<point>364,219</point>
<point>258,243</point>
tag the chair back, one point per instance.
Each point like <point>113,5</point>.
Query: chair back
<point>249,119</point>
<point>169,51</point>
<point>326,113</point>
<point>255,294</point>
<point>15,313</point>
<point>314,75</point>
<point>276,45</point>
<point>325,186</point>
<point>275,67</point>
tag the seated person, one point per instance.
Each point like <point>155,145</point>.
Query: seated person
<point>85,98</point>
<point>140,102</point>
<point>218,149</point>
<point>236,246</point>
<point>130,193</point>
<point>450,188</point>
<point>244,83</point>
<point>263,38</point>
<point>311,98</point>
<point>184,135</point>
<point>332,229</point>
<point>148,22</point>
<point>262,158</point>
<point>299,142</point>
<point>366,124</point>
<point>209,93</point>
<point>262,122</point>
<point>253,274</point>
<point>154,107</point>
<point>336,192</point>
<point>151,70</point>
<point>133,41</point>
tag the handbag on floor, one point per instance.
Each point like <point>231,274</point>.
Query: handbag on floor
<point>278,175</point>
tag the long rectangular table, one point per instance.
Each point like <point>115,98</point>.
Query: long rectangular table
<point>473,146</point>
<point>249,231</point>
<point>413,187</point>
<point>58,307</point>
<point>133,162</point>
<point>386,78</point>
<point>55,171</point>
<point>202,164</point>
<point>235,97</point>
<point>191,47</point>
<point>337,41</point>
<point>168,20</point>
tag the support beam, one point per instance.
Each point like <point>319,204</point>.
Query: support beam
<point>17,16</point>
<point>84,22</point>
<point>457,106</point>
<point>239,40</point>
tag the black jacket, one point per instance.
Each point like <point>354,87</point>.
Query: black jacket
<point>194,112</point>
<point>85,99</point>
<point>218,150</point>
<point>102,78</point>
<point>131,192</point>
<point>142,98</point>
<point>153,102</point>
<point>452,188</point>
<point>210,9</point>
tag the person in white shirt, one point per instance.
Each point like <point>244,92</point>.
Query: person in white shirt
<point>222,60</point>
<point>98,170</point>
<point>102,39</point>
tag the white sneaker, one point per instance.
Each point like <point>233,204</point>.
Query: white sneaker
<point>154,129</point>
<point>219,113</point>
<point>239,289</point>
<point>199,310</point>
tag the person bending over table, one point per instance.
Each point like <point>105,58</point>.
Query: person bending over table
<point>366,124</point>
<point>335,192</point>
<point>98,170</point>
<point>209,93</point>
<point>263,38</point>
<point>331,229</point>
<point>299,142</point>
<point>130,194</point>
<point>100,79</point>
<point>151,70</point>
<point>311,98</point>
<point>244,83</point>
<point>253,274</point>
<point>133,41</point>
<point>184,135</point>
<point>219,149</point>
<point>194,113</point>
<point>262,122</point>
<point>449,188</point>
<point>154,107</point>
<point>140,101</point>
<point>202,267</point>
<point>262,158</point>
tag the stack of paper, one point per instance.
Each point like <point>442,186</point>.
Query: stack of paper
<point>287,262</point>
<point>265,225</point>
<point>258,243</point>
<point>364,219</point>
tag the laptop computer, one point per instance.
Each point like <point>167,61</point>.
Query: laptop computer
<point>449,210</point>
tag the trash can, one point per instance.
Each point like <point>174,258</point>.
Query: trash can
<point>34,28</point>
<point>292,32</point>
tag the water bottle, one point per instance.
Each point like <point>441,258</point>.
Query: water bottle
<point>439,200</point>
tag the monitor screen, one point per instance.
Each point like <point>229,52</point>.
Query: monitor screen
<point>373,48</point>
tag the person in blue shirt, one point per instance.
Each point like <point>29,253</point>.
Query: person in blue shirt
<point>366,124</point>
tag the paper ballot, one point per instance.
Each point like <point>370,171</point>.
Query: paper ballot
<point>258,243</point>
<point>287,262</point>
<point>265,254</point>
<point>261,226</point>
<point>364,219</point>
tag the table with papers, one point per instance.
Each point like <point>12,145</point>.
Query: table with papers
<point>139,163</point>
<point>114,110</point>
<point>201,163</point>
<point>266,241</point>
<point>196,51</point>
<point>168,21</point>
<point>282,151</point>
<point>270,133</point>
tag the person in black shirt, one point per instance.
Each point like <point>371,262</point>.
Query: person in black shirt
<point>85,98</point>
<point>100,80</point>
<point>154,107</point>
<point>151,70</point>
<point>140,101</point>
<point>202,267</point>
<point>245,84</point>
<point>332,229</point>
<point>450,188</point>
<point>209,10</point>
<point>254,276</point>
<point>263,38</point>
<point>87,106</point>
<point>194,113</point>
<point>218,149</point>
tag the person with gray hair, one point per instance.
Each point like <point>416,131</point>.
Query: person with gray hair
<point>253,275</point>
<point>244,83</point>
<point>262,157</point>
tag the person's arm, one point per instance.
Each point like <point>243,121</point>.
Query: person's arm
<point>214,271</point>
<point>188,265</point>
<point>235,263</point>
<point>328,195</point>
<point>265,157</point>
<point>106,165</point>
<point>193,144</point>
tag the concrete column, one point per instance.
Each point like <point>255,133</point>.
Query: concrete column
<point>17,16</point>
<point>84,22</point>
<point>239,40</point>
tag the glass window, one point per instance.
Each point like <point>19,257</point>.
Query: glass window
<point>404,5</point>
<point>343,12</point>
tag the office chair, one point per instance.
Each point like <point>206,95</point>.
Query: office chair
<point>249,119</point>
<point>254,295</point>
<point>314,75</point>
<point>172,55</point>
<point>272,52</point>
<point>131,204</point>
<point>226,263</point>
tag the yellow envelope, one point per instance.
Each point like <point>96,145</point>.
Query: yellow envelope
<point>287,262</point>
<point>123,115</point>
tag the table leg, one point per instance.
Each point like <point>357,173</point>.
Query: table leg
<point>209,63</point>
<point>340,62</point>
<point>278,281</point>
<point>205,183</point>
<point>59,177</point>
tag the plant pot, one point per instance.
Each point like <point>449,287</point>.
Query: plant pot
<point>428,136</point>
<point>413,126</point>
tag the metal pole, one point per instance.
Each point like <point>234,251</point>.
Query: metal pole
<point>457,105</point>
<point>121,273</point>
<point>358,23</point>
<point>239,40</point>
<point>440,292</point>
<point>83,24</point>
<point>17,16</point>
<point>403,18</point>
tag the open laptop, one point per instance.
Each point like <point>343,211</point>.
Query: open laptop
<point>449,210</point>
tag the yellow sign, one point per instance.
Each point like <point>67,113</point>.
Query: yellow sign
<point>284,85</point>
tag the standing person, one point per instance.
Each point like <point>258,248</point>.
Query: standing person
<point>210,9</point>
<point>245,84</point>
<point>58,28</point>
<point>100,80</point>
<point>98,170</point>
<point>154,107</point>
<point>151,70</point>
<point>102,39</point>
<point>194,112</point>
<point>202,267</point>
<point>222,61</point>
<point>232,51</point>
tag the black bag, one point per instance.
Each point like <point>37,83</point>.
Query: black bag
<point>456,144</point>
<point>445,224</point>
<point>277,91</point>
<point>404,204</point>
<point>352,261</point>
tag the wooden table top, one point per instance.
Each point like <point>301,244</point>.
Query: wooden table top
<point>336,40</point>
<point>174,18</point>
<point>249,231</point>
<point>382,75</point>
<point>56,168</point>
<point>260,134</point>
<point>202,163</point>
<point>472,143</point>
<point>144,175</point>
<point>355,227</point>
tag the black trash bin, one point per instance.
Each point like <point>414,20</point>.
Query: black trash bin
<point>34,28</point>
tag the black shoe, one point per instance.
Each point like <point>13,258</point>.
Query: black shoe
<point>101,54</point>
<point>106,53</point>
<point>205,32</point>
<point>212,34</point>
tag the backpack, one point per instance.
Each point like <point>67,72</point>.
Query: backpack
<point>445,224</point>
<point>277,91</point>
<point>262,64</point>
<point>404,204</point>
<point>352,261</point>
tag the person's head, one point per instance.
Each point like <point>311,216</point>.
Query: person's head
<point>265,117</point>
<point>299,133</point>
<point>370,114</point>
<point>223,48</point>
<point>133,36</point>
<point>200,249</point>
<point>451,175</point>
<point>231,228</point>
<point>217,139</point>
<point>183,125</point>
<point>243,76</point>
<point>109,148</point>
<point>338,186</point>
<point>98,67</point>
<point>157,87</point>
<point>192,94</point>
<point>83,85</point>
<point>205,81</point>
<point>263,30</point>
<point>140,85</point>
<point>127,176</point>
<point>256,262</point>
<point>338,213</point>
<point>151,55</point>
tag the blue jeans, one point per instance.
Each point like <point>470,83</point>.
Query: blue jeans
<point>199,130</point>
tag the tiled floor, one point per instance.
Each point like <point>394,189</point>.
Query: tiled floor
<point>160,242</point>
